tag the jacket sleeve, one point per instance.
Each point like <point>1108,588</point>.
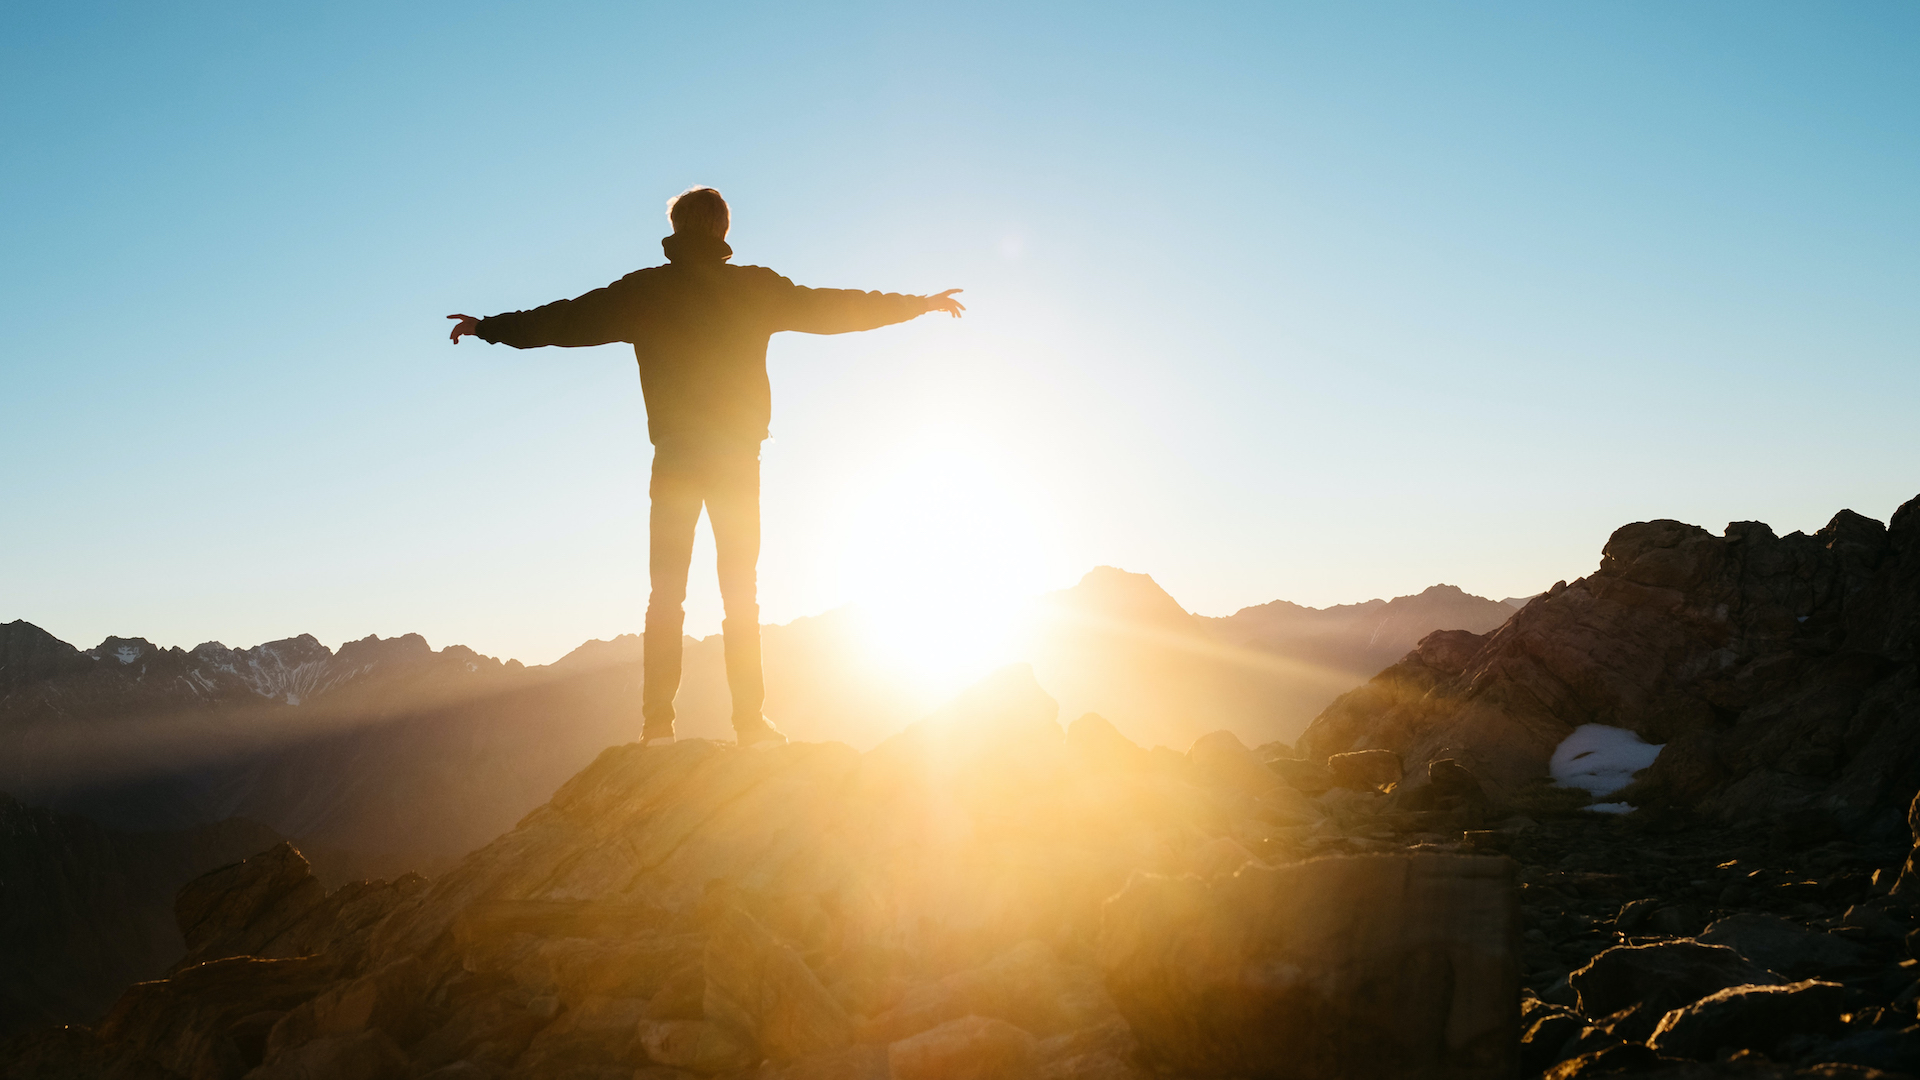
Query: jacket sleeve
<point>600,317</point>
<point>839,311</point>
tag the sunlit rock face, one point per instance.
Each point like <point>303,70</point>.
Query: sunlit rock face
<point>941,906</point>
<point>1777,671</point>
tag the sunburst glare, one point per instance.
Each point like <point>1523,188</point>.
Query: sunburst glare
<point>942,550</point>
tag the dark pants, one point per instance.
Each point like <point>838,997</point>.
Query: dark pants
<point>726,479</point>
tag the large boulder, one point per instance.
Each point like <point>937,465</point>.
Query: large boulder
<point>1663,976</point>
<point>1380,965</point>
<point>1750,1018</point>
<point>1787,948</point>
<point>271,905</point>
<point>1309,777</point>
<point>1366,770</point>
<point>1546,1037</point>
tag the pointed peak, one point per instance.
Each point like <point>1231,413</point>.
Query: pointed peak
<point>1104,572</point>
<point>1110,593</point>
<point>20,633</point>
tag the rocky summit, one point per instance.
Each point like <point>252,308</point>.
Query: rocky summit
<point>984,895</point>
<point>990,895</point>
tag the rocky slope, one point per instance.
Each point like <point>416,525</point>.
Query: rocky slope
<point>986,895</point>
<point>1779,672</point>
<point>936,907</point>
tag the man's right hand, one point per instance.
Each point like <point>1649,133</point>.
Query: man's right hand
<point>945,302</point>
<point>468,325</point>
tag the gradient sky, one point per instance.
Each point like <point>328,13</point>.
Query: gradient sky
<point>1316,302</point>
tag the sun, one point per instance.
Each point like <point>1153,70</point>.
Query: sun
<point>942,551</point>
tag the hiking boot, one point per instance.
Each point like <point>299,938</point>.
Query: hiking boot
<point>657,738</point>
<point>759,736</point>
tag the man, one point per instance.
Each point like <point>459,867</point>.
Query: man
<point>699,327</point>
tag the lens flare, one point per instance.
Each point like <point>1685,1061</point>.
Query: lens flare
<point>942,551</point>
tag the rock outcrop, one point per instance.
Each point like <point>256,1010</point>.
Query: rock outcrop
<point>937,907</point>
<point>271,906</point>
<point>1779,672</point>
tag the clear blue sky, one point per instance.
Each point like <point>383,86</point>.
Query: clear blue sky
<point>1317,302</point>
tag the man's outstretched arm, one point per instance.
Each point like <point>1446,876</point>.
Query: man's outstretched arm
<point>841,311</point>
<point>596,318</point>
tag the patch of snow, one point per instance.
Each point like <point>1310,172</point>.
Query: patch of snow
<point>1611,807</point>
<point>1600,759</point>
<point>127,654</point>
<point>293,699</point>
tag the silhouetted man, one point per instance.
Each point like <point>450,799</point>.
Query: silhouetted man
<point>699,327</point>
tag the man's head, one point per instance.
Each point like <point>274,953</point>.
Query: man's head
<point>699,211</point>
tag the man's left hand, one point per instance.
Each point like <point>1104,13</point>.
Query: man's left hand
<point>943,302</point>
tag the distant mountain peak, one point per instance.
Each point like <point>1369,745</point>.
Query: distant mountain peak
<point>124,650</point>
<point>1109,593</point>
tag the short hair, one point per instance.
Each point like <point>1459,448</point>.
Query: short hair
<point>699,211</point>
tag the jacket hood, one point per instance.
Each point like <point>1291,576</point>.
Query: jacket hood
<point>689,248</point>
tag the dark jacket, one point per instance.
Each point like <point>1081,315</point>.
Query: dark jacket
<point>699,328</point>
